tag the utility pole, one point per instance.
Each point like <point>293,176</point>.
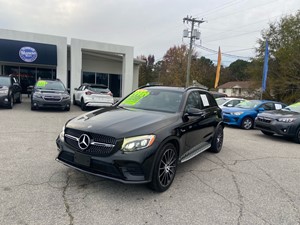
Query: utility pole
<point>194,34</point>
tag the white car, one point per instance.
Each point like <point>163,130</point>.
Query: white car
<point>228,102</point>
<point>94,95</point>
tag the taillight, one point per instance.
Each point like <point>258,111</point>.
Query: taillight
<point>109,93</point>
<point>89,92</point>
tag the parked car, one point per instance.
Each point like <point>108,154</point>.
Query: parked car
<point>50,94</point>
<point>95,95</point>
<point>284,122</point>
<point>244,113</point>
<point>142,138</point>
<point>228,102</point>
<point>10,91</point>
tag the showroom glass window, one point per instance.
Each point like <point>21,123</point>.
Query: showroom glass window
<point>88,77</point>
<point>102,78</point>
<point>115,84</point>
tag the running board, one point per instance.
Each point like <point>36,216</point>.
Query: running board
<point>195,153</point>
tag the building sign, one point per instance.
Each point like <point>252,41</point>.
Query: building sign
<point>24,52</point>
<point>28,54</point>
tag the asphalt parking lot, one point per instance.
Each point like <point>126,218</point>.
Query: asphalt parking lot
<point>255,179</point>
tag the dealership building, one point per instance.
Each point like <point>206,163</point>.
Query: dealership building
<point>31,56</point>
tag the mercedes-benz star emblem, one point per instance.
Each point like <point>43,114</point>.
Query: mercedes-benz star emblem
<point>84,141</point>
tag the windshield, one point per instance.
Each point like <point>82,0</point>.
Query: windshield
<point>50,85</point>
<point>248,104</point>
<point>153,99</point>
<point>98,89</point>
<point>294,107</point>
<point>5,81</point>
<point>221,101</point>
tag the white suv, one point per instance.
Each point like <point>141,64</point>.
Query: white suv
<point>94,95</point>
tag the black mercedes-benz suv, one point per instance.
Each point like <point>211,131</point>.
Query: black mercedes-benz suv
<point>50,94</point>
<point>10,91</point>
<point>143,137</point>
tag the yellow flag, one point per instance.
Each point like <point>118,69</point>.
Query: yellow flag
<point>218,69</point>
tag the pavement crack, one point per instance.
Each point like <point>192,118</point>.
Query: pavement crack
<point>229,201</point>
<point>67,206</point>
<point>240,199</point>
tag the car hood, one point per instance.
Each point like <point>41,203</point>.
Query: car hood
<point>278,114</point>
<point>121,122</point>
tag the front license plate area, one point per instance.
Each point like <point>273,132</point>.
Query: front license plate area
<point>82,159</point>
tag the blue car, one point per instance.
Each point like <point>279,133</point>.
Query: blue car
<point>244,113</point>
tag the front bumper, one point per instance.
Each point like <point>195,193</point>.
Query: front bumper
<point>4,100</point>
<point>232,120</point>
<point>275,127</point>
<point>41,103</point>
<point>126,167</point>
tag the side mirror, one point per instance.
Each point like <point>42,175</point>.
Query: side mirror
<point>68,90</point>
<point>195,112</point>
<point>261,109</point>
<point>76,89</point>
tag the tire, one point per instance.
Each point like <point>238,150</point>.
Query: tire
<point>297,136</point>
<point>32,107</point>
<point>82,105</point>
<point>164,168</point>
<point>217,141</point>
<point>11,102</point>
<point>247,123</point>
<point>19,100</point>
<point>74,101</point>
<point>67,109</point>
<point>267,133</point>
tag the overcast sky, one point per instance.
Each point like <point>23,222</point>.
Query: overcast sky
<point>151,26</point>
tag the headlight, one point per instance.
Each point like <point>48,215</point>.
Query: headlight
<point>62,133</point>
<point>66,96</point>
<point>5,91</point>
<point>286,120</point>
<point>137,143</point>
<point>37,95</point>
<point>237,113</point>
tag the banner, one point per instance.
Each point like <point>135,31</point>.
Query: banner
<point>265,71</point>
<point>218,69</point>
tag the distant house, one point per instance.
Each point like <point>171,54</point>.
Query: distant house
<point>238,89</point>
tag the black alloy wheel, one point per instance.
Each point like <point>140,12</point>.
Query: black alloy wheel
<point>11,102</point>
<point>82,105</point>
<point>217,142</point>
<point>165,168</point>
<point>19,100</point>
<point>74,102</point>
<point>247,123</point>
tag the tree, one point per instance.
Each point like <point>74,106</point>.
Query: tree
<point>173,66</point>
<point>146,71</point>
<point>283,81</point>
<point>238,70</point>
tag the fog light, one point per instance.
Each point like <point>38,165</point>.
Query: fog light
<point>35,104</point>
<point>6,99</point>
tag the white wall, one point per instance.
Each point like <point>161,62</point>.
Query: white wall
<point>79,46</point>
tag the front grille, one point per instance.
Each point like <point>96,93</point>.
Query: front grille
<point>52,98</point>
<point>104,147</point>
<point>264,119</point>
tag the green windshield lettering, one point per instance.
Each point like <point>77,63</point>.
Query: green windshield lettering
<point>41,83</point>
<point>136,97</point>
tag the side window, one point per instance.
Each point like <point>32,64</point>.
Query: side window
<point>193,101</point>
<point>268,106</point>
<point>211,100</point>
